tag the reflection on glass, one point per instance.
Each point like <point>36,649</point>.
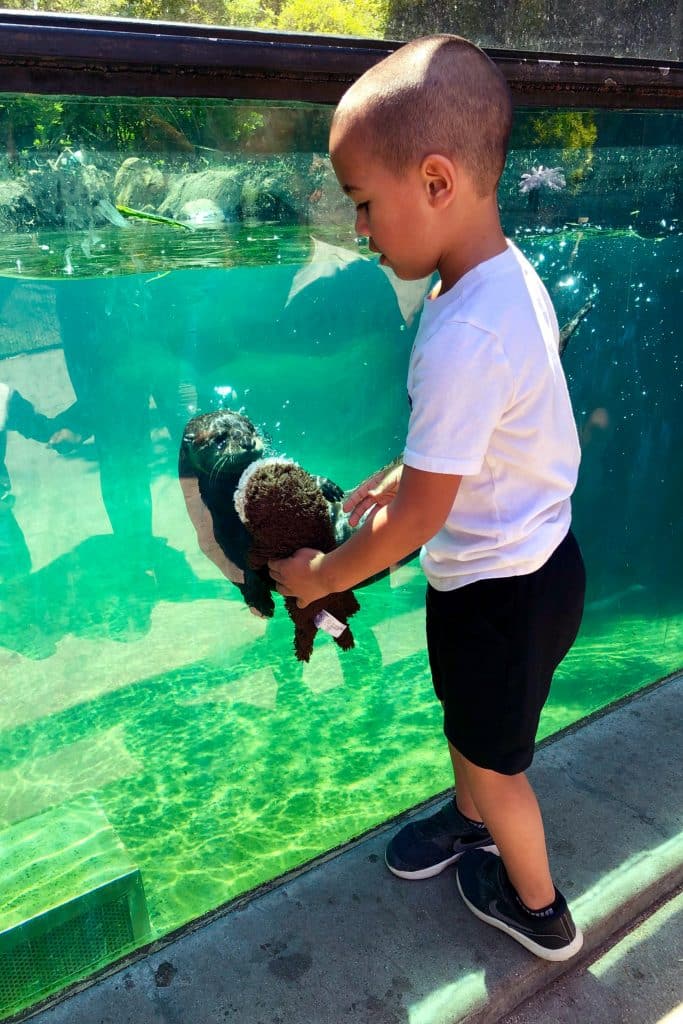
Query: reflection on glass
<point>161,275</point>
<point>591,27</point>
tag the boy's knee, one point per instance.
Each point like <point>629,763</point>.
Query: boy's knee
<point>488,776</point>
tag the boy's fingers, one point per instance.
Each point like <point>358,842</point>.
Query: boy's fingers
<point>360,510</point>
<point>353,497</point>
<point>362,491</point>
<point>274,568</point>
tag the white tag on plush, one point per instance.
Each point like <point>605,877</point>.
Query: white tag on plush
<point>323,620</point>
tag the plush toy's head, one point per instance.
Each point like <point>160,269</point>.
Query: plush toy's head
<point>283,509</point>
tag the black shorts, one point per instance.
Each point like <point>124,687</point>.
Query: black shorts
<point>493,647</point>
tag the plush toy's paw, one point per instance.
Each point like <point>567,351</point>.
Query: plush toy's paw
<point>345,640</point>
<point>304,634</point>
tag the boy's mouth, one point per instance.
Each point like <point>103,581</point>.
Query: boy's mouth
<point>373,248</point>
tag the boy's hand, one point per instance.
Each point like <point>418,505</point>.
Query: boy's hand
<point>378,490</point>
<point>299,576</point>
<point>65,441</point>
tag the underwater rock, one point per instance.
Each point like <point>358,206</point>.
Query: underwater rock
<point>202,213</point>
<point>274,195</point>
<point>81,191</point>
<point>18,209</point>
<point>327,204</point>
<point>138,184</point>
<point>66,195</point>
<point>221,186</point>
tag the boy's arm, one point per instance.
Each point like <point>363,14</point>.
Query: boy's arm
<point>203,524</point>
<point>418,511</point>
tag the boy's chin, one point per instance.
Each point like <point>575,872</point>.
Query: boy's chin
<point>406,275</point>
<point>403,273</point>
<point>384,262</point>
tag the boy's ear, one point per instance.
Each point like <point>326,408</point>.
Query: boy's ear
<point>439,178</point>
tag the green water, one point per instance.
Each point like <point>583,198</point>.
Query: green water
<point>132,672</point>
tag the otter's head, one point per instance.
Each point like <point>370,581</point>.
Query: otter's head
<point>221,443</point>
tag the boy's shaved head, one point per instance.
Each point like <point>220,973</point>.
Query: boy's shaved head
<point>441,94</point>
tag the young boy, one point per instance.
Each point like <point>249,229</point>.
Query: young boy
<point>491,458</point>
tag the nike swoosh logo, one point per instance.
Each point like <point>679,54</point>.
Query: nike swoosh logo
<point>496,912</point>
<point>464,842</point>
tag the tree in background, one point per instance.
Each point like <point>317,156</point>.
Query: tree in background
<point>340,17</point>
<point>336,17</point>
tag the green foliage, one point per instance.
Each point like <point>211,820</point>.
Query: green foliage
<point>97,8</point>
<point>576,132</point>
<point>340,17</point>
<point>571,129</point>
<point>346,17</point>
<point>32,122</point>
<point>244,14</point>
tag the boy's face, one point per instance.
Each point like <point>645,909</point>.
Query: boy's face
<point>393,212</point>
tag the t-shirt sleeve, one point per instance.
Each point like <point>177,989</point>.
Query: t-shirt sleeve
<point>460,384</point>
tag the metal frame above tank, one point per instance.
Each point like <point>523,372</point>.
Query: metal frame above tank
<point>57,53</point>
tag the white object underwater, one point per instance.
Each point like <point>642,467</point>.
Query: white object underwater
<point>109,211</point>
<point>538,177</point>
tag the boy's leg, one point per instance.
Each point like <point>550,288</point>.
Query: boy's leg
<point>424,848</point>
<point>509,807</point>
<point>463,794</point>
<point>514,892</point>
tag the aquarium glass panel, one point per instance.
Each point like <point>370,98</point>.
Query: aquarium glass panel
<point>627,28</point>
<point>163,261</point>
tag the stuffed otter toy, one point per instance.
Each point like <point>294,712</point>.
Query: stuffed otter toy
<point>284,508</point>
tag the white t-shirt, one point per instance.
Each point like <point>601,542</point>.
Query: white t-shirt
<point>489,402</point>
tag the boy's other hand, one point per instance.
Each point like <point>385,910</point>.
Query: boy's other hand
<point>299,576</point>
<point>377,491</point>
<point>65,441</point>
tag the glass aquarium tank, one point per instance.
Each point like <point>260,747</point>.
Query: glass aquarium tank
<point>163,750</point>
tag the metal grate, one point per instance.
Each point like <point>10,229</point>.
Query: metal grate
<point>46,953</point>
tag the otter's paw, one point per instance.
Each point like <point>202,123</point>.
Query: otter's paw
<point>257,595</point>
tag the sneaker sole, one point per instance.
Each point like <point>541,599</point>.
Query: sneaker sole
<point>555,955</point>
<point>435,869</point>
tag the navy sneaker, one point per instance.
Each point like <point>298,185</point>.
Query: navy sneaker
<point>424,848</point>
<point>486,889</point>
